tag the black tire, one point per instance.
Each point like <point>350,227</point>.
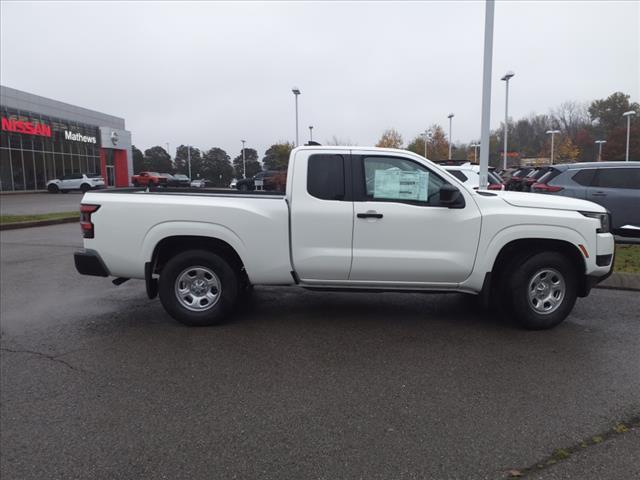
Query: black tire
<point>135,184</point>
<point>519,278</point>
<point>228,294</point>
<point>53,188</point>
<point>84,188</point>
<point>243,187</point>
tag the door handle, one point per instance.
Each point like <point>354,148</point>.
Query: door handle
<point>370,215</point>
<point>599,194</point>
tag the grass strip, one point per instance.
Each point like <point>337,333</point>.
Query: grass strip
<point>627,259</point>
<point>4,219</point>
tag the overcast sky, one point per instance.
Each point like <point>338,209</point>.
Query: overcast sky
<point>211,74</point>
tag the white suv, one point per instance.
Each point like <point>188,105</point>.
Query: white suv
<point>470,175</point>
<point>76,181</point>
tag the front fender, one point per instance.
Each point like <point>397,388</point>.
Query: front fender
<point>489,249</point>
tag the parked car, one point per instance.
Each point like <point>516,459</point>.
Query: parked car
<point>178,180</point>
<point>201,183</point>
<point>614,185</point>
<point>532,177</point>
<point>76,181</point>
<point>470,175</point>
<point>233,183</point>
<point>515,182</point>
<point>272,180</point>
<point>145,178</point>
<point>352,218</point>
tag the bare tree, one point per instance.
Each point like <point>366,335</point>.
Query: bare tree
<point>571,116</point>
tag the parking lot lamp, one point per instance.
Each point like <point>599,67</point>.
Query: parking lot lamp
<point>506,79</point>
<point>475,151</point>
<point>296,92</point>
<point>244,163</point>
<point>450,116</point>
<point>600,142</point>
<point>552,133</point>
<point>189,160</point>
<point>628,114</point>
<point>427,139</point>
<point>310,133</point>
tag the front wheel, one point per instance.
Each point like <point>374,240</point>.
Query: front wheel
<point>53,188</point>
<point>543,290</point>
<point>198,288</point>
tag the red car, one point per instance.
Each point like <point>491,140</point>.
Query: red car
<point>143,179</point>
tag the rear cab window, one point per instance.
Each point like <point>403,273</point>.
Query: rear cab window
<point>325,177</point>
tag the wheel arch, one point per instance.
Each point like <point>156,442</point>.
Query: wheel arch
<point>536,245</point>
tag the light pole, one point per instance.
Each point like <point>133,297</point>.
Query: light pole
<point>628,114</point>
<point>189,160</point>
<point>600,143</point>
<point>296,92</point>
<point>487,62</point>
<point>552,132</point>
<point>475,151</point>
<point>506,78</point>
<point>427,139</point>
<point>310,133</point>
<point>244,163</point>
<point>450,116</point>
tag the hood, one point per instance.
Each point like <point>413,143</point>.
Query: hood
<point>553,202</point>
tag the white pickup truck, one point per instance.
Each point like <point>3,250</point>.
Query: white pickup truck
<point>352,218</point>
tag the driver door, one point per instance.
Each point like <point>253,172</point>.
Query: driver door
<point>401,234</point>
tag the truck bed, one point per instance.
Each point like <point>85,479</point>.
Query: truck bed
<point>131,222</point>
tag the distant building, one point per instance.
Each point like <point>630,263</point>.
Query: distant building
<point>535,161</point>
<point>42,139</point>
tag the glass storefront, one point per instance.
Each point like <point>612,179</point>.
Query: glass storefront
<point>28,162</point>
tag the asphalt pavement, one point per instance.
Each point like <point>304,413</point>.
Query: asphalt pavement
<point>35,203</point>
<point>98,382</point>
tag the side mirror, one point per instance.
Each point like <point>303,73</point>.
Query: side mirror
<point>451,197</point>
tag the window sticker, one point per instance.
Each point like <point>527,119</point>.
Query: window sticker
<point>401,185</point>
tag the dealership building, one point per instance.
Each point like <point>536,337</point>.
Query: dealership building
<point>42,139</point>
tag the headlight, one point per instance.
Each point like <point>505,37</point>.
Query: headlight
<point>605,224</point>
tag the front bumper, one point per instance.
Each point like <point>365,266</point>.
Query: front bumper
<point>89,262</point>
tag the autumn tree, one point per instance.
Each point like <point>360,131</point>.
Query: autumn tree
<point>390,138</point>
<point>277,156</point>
<point>251,161</point>
<point>616,146</point>
<point>567,150</point>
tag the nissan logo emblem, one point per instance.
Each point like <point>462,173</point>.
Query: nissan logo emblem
<point>114,138</point>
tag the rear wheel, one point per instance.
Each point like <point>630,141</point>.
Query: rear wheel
<point>198,288</point>
<point>84,188</point>
<point>53,188</point>
<point>542,289</point>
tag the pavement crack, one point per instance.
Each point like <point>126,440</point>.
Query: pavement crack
<point>563,453</point>
<point>53,358</point>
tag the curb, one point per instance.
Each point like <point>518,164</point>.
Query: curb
<point>37,223</point>
<point>621,281</point>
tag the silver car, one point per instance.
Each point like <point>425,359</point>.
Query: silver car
<point>614,185</point>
